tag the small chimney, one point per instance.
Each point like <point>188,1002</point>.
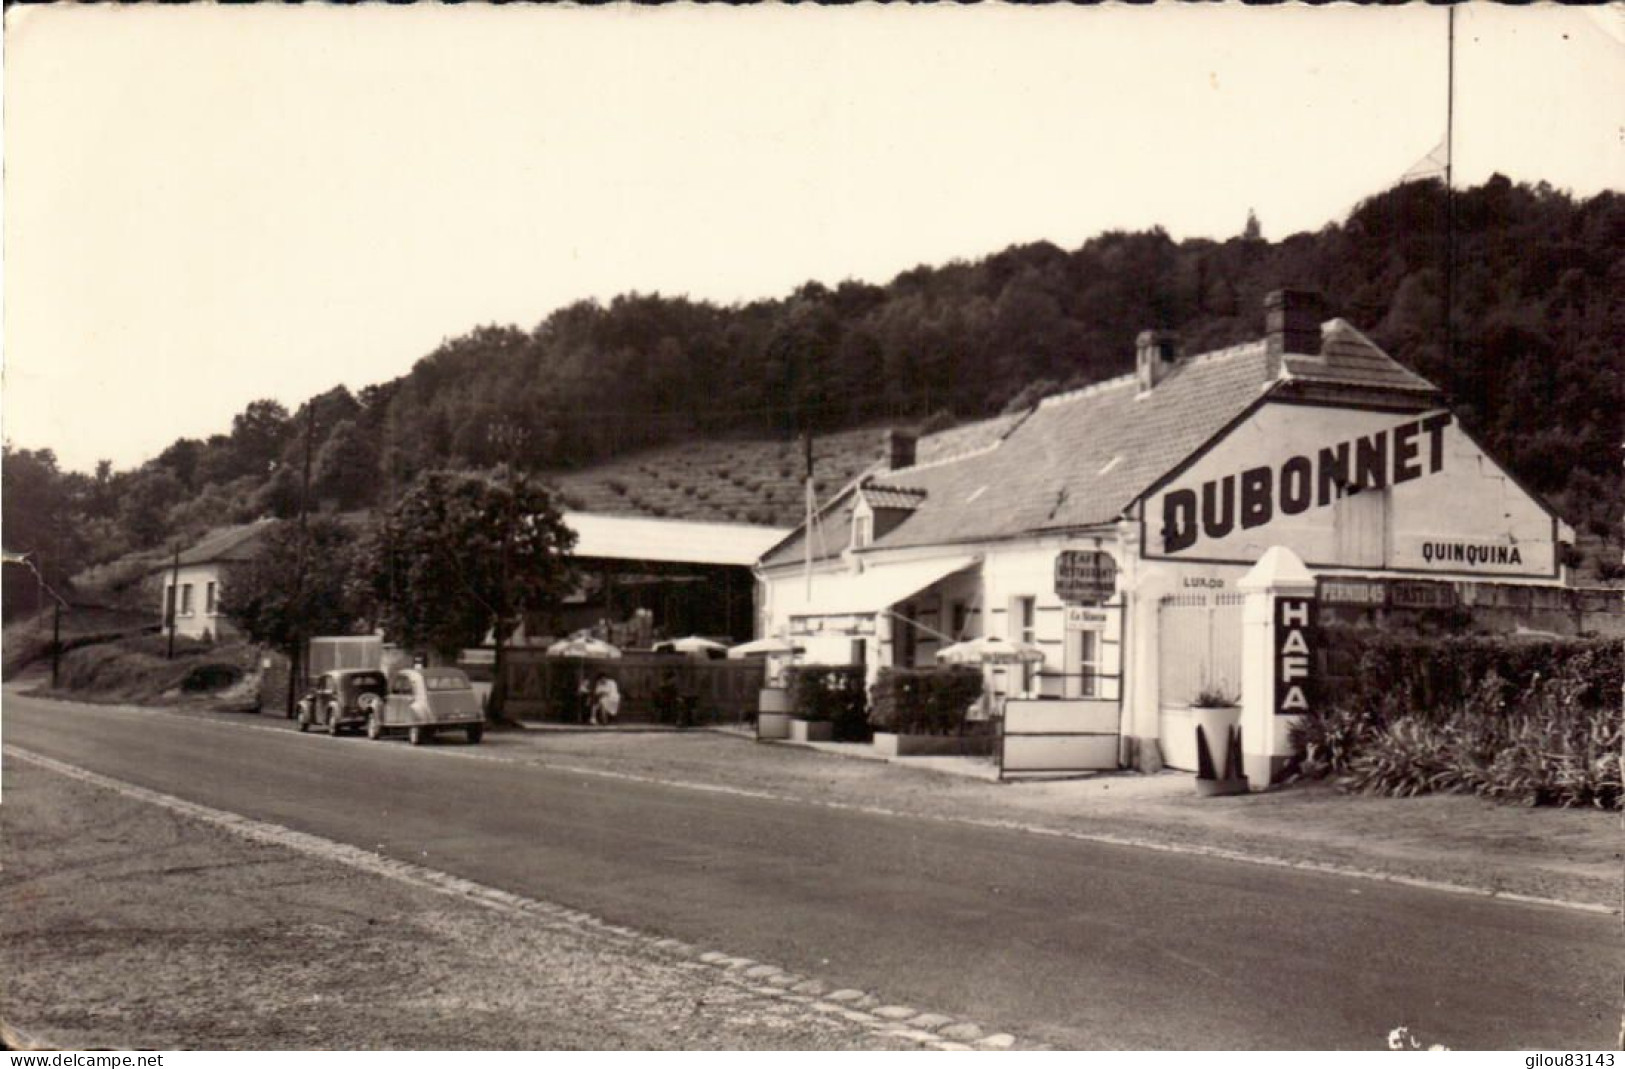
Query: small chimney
<point>1292,322</point>
<point>1155,354</point>
<point>900,448</point>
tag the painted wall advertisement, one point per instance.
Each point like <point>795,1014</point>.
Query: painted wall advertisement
<point>1352,488</point>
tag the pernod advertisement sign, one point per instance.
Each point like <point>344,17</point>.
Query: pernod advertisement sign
<point>1352,488</point>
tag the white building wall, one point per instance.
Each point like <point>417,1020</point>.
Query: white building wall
<point>198,621</point>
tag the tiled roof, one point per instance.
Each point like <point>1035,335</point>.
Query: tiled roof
<point>1348,357</point>
<point>1080,459</point>
<point>226,544</point>
<point>892,497</point>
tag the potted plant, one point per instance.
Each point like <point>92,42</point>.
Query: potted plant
<point>922,712</point>
<point>1217,712</point>
<point>825,700</point>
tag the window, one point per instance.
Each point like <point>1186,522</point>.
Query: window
<point>863,529</point>
<point>169,603</point>
<point>186,599</point>
<point>1083,664</point>
<point>959,619</point>
<point>1024,628</point>
<point>210,599</point>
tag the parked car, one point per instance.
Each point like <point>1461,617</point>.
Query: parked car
<point>423,701</point>
<point>341,699</point>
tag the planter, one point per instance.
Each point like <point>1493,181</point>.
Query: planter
<point>889,744</point>
<point>772,725</point>
<point>1213,788</point>
<point>1177,732</point>
<point>811,730</point>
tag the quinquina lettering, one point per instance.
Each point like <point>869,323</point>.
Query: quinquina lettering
<point>1299,483</point>
<point>1467,553</point>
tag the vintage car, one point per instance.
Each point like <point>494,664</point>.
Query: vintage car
<point>423,701</point>
<point>341,699</point>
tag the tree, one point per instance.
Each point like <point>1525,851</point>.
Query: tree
<point>462,555</point>
<point>145,504</point>
<point>1252,231</point>
<point>297,585</point>
<point>258,434</point>
<point>346,469</point>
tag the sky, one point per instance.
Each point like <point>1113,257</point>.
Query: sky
<point>205,206</point>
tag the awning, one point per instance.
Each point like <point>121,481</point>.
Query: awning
<point>880,587</point>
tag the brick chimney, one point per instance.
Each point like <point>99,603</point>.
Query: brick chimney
<point>1155,354</point>
<point>1292,323</point>
<point>900,446</point>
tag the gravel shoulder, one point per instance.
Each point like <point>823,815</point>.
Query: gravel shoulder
<point>129,926</point>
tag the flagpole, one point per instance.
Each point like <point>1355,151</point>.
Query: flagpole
<point>1449,188</point>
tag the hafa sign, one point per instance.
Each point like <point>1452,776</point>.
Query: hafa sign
<point>1294,655</point>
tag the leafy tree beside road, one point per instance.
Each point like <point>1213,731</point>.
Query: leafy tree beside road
<point>460,556</point>
<point>298,585</point>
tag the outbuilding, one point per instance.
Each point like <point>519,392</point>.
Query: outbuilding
<point>1109,526</point>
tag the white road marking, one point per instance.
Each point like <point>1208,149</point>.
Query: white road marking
<point>1102,838</point>
<point>767,981</point>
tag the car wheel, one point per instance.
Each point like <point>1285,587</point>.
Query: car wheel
<point>304,722</point>
<point>374,729</point>
<point>417,736</point>
<point>476,732</point>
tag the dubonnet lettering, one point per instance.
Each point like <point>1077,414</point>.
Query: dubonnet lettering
<point>1385,458</point>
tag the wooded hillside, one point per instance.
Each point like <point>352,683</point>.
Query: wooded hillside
<point>1535,373</point>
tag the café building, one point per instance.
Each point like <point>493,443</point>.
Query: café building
<point>1109,526</point>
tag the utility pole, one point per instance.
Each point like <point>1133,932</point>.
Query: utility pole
<point>296,655</point>
<point>812,507</point>
<point>173,602</point>
<point>56,642</point>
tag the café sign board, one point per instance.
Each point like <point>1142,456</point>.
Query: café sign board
<point>1085,576</point>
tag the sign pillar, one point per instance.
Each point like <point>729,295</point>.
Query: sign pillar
<point>1277,668</point>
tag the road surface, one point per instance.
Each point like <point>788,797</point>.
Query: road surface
<point>1061,942</point>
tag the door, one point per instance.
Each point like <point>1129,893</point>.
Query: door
<point>1198,646</point>
<point>398,705</point>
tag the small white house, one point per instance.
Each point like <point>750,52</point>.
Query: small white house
<point>1109,526</point>
<point>193,583</point>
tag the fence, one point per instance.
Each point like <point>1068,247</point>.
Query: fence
<point>655,688</point>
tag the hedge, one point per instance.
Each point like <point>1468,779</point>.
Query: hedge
<point>924,701</point>
<point>1536,722</point>
<point>830,692</point>
<point>1389,675</point>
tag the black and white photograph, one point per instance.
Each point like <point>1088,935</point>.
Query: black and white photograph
<point>797,527</point>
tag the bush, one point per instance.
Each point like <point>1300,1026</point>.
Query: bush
<point>1550,735</point>
<point>924,701</point>
<point>1418,675</point>
<point>830,692</point>
<point>130,670</point>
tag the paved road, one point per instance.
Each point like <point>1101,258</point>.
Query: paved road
<point>1068,943</point>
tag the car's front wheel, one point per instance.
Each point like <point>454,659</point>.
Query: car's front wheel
<point>476,732</point>
<point>416,735</point>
